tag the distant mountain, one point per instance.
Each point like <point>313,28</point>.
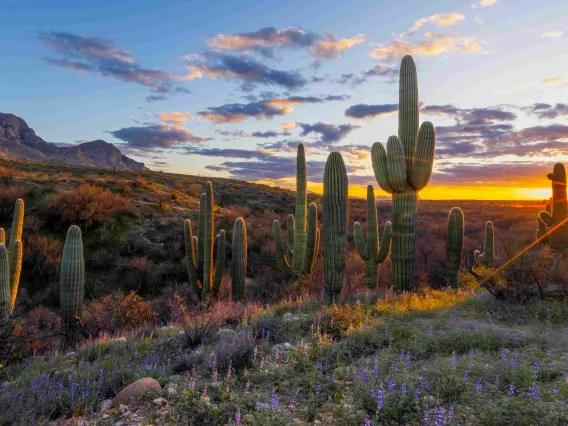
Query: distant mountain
<point>19,142</point>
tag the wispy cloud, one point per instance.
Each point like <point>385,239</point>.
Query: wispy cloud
<point>440,19</point>
<point>485,4</point>
<point>479,20</point>
<point>329,133</point>
<point>175,118</point>
<point>552,34</point>
<point>156,136</point>
<point>542,110</point>
<point>380,70</point>
<point>366,111</point>
<point>555,80</point>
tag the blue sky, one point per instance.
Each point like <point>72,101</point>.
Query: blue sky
<point>78,71</point>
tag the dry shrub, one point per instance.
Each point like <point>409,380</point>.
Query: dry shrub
<point>194,190</point>
<point>88,204</point>
<point>38,332</point>
<point>118,312</point>
<point>43,254</point>
<point>8,196</point>
<point>235,211</point>
<point>7,175</point>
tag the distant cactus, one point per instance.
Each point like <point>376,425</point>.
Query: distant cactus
<point>372,251</point>
<point>488,256</point>
<point>335,219</point>
<point>299,256</point>
<point>204,277</point>
<point>554,219</point>
<point>454,244</point>
<point>239,261</point>
<point>402,170</point>
<point>4,283</point>
<point>72,284</point>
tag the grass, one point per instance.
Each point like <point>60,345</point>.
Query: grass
<point>437,357</point>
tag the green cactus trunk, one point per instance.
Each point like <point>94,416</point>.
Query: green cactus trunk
<point>239,261</point>
<point>298,257</point>
<point>335,219</point>
<point>72,285</point>
<point>15,250</point>
<point>454,245</point>
<point>488,256</point>
<point>402,170</point>
<point>371,250</point>
<point>555,217</point>
<point>4,283</point>
<point>15,271</point>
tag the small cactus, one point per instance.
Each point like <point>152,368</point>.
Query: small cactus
<point>239,261</point>
<point>72,284</point>
<point>488,256</point>
<point>335,219</point>
<point>553,221</point>
<point>454,244</point>
<point>372,251</point>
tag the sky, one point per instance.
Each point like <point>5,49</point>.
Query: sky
<point>230,88</point>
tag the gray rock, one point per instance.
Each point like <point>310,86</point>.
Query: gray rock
<point>135,390</point>
<point>106,405</point>
<point>160,402</point>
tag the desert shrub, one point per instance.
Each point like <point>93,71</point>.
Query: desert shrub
<point>37,332</point>
<point>8,196</point>
<point>42,257</point>
<point>7,175</point>
<point>200,324</point>
<point>102,260</point>
<point>194,190</point>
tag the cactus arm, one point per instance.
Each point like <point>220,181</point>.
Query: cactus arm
<point>316,250</point>
<point>4,283</point>
<point>190,246</point>
<point>408,117</point>
<point>545,217</point>
<point>239,261</point>
<point>360,242</point>
<point>221,244</point>
<point>290,229</point>
<point>209,240</point>
<point>195,244</point>
<point>311,239</point>
<point>15,270</point>
<point>424,159</point>
<point>379,160</point>
<point>301,212</point>
<point>488,245</point>
<point>280,250</point>
<point>372,225</point>
<point>2,236</point>
<point>385,246</point>
<point>201,236</point>
<point>454,244</point>
<point>396,164</point>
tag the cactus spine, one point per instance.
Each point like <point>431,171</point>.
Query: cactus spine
<point>372,251</point>
<point>556,216</point>
<point>299,256</point>
<point>402,170</point>
<point>335,219</point>
<point>72,284</point>
<point>454,244</point>
<point>239,261</point>
<point>205,274</point>
<point>488,255</point>
<point>4,283</point>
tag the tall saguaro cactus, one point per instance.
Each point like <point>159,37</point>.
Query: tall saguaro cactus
<point>556,220</point>
<point>454,244</point>
<point>15,250</point>
<point>72,284</point>
<point>204,272</point>
<point>303,233</point>
<point>4,283</point>
<point>372,251</point>
<point>335,219</point>
<point>402,170</point>
<point>488,255</point>
<point>239,261</point>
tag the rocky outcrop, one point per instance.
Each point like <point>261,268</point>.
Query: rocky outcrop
<point>19,141</point>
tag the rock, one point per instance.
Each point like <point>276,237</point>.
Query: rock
<point>159,402</point>
<point>430,401</point>
<point>106,405</point>
<point>123,409</point>
<point>171,392</point>
<point>135,390</point>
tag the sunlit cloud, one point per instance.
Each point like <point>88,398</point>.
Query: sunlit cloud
<point>288,124</point>
<point>440,19</point>
<point>332,48</point>
<point>555,80</point>
<point>479,20</point>
<point>175,118</point>
<point>485,4</point>
<point>552,34</point>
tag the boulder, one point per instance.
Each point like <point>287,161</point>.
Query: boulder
<point>134,391</point>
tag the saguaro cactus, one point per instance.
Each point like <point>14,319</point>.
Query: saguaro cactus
<point>454,244</point>
<point>372,251</point>
<point>15,250</point>
<point>402,170</point>
<point>556,219</point>
<point>239,262</point>
<point>488,255</point>
<point>204,276</point>
<point>303,239</point>
<point>335,219</point>
<point>541,231</point>
<point>72,284</point>
<point>4,283</point>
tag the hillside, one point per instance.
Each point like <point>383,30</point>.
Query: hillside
<point>19,142</point>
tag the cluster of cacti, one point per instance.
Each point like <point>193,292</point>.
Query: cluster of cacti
<point>552,223</point>
<point>335,219</point>
<point>299,256</point>
<point>454,244</point>
<point>72,285</point>
<point>403,170</point>
<point>239,260</point>
<point>486,258</point>
<point>371,250</point>
<point>14,254</point>
<point>205,274</point>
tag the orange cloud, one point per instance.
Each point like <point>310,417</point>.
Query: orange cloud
<point>175,118</point>
<point>192,74</point>
<point>288,124</point>
<point>439,19</point>
<point>552,34</point>
<point>332,48</point>
<point>555,80</point>
<point>488,3</point>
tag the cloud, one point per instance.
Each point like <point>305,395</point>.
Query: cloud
<point>175,118</point>
<point>552,34</point>
<point>440,19</point>
<point>288,124</point>
<point>100,56</point>
<point>233,133</point>
<point>281,146</point>
<point>366,111</point>
<point>226,153</point>
<point>431,44</point>
<point>548,111</point>
<point>380,70</point>
<point>487,3</point>
<point>479,20</point>
<point>328,132</point>
<point>264,40</point>
<point>154,98</point>
<point>555,80</point>
<point>156,136</point>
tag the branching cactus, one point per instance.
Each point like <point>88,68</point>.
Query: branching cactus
<point>541,231</point>
<point>488,255</point>
<point>298,257</point>
<point>402,170</point>
<point>205,273</point>
<point>454,244</point>
<point>335,219</point>
<point>72,285</point>
<point>14,250</point>
<point>556,217</point>
<point>372,251</point>
<point>4,283</point>
<point>239,261</point>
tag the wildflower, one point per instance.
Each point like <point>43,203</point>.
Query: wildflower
<point>318,389</point>
<point>229,371</point>
<point>478,387</point>
<point>407,362</point>
<point>258,406</point>
<point>204,392</point>
<point>238,416</point>
<point>503,354</point>
<point>277,354</point>
<point>367,422</point>
<point>513,364</point>
<point>380,398</point>
<point>426,417</point>
<point>430,330</point>
<point>490,404</point>
<point>451,413</point>
<point>319,368</point>
<point>536,368</point>
<point>438,416</point>
<point>391,384</point>
<point>454,359</point>
<point>192,384</point>
<point>534,393</point>
<point>465,375</point>
<point>403,389</point>
<point>395,366</point>
<point>400,403</point>
<point>555,390</point>
<point>274,401</point>
<point>293,403</point>
<point>512,389</point>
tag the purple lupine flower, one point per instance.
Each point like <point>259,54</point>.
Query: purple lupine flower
<point>391,384</point>
<point>380,398</point>
<point>294,403</point>
<point>555,390</point>
<point>395,366</point>
<point>451,413</point>
<point>465,375</point>
<point>438,416</point>
<point>536,368</point>
<point>318,389</point>
<point>430,330</point>
<point>478,387</point>
<point>274,401</point>
<point>238,416</point>
<point>417,394</point>
<point>407,362</point>
<point>319,368</point>
<point>426,417</point>
<point>367,422</point>
<point>513,363</point>
<point>258,406</point>
<point>512,389</point>
<point>534,393</point>
<point>503,354</point>
<point>454,359</point>
<point>403,389</point>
